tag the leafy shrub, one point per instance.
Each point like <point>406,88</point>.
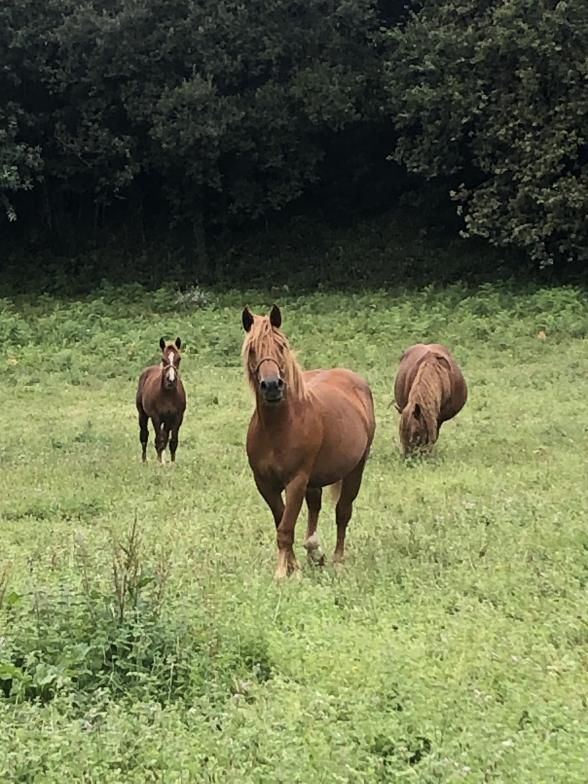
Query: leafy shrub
<point>493,97</point>
<point>80,639</point>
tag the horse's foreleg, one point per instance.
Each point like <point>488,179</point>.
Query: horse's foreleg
<point>143,432</point>
<point>272,495</point>
<point>311,543</point>
<point>165,431</point>
<point>295,492</point>
<point>349,490</point>
<point>173,444</point>
<point>160,437</point>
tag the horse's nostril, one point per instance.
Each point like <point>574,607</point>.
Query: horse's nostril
<point>263,385</point>
<point>280,383</point>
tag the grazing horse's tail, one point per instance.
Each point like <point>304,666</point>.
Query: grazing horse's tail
<point>335,491</point>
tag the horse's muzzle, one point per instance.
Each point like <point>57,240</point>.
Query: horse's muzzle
<point>272,390</point>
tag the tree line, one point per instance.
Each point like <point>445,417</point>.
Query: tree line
<point>217,113</point>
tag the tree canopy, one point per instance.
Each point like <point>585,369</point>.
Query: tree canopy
<point>217,113</point>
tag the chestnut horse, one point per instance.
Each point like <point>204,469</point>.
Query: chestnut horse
<point>309,430</point>
<point>429,389</point>
<point>161,396</point>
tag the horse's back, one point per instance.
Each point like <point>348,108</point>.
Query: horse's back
<point>142,383</point>
<point>410,362</point>
<point>342,393</point>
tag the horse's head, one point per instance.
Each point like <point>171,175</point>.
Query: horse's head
<point>170,361</point>
<point>268,362</point>
<point>418,429</point>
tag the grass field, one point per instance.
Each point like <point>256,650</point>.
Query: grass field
<point>452,646</point>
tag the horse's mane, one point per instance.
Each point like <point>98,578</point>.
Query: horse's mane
<point>267,341</point>
<point>427,392</point>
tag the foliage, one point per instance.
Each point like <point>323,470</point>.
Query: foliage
<point>141,638</point>
<point>401,248</point>
<point>493,96</point>
<point>133,117</point>
<point>221,106</point>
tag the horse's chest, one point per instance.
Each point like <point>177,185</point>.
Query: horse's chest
<point>274,464</point>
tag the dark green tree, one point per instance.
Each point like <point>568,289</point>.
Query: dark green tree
<point>493,96</point>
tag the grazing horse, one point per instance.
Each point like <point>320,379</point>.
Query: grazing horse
<point>309,430</point>
<point>429,389</point>
<point>161,396</point>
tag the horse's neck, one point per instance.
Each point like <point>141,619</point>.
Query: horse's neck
<point>425,390</point>
<point>273,418</point>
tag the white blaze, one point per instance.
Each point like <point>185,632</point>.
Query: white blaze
<point>171,374</point>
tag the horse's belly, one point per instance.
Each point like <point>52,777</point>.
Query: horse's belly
<point>346,440</point>
<point>330,467</point>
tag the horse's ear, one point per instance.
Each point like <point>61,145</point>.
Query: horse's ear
<point>275,317</point>
<point>178,343</point>
<point>161,343</point>
<point>247,319</point>
<point>417,411</point>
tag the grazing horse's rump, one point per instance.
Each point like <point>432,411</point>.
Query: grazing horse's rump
<point>309,430</point>
<point>161,397</point>
<point>429,389</point>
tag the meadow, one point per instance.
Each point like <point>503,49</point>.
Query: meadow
<point>142,638</point>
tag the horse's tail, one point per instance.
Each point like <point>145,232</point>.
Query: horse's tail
<point>335,491</point>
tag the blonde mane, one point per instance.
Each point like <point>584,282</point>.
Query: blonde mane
<point>264,340</point>
<point>428,389</point>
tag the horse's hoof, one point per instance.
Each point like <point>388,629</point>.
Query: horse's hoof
<point>293,569</point>
<point>316,557</point>
<point>314,552</point>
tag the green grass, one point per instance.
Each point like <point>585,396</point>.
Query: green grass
<point>452,647</point>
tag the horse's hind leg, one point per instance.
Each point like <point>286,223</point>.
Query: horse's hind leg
<point>311,543</point>
<point>349,490</point>
<point>143,432</point>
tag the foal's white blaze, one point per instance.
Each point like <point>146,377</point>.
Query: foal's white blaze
<point>171,373</point>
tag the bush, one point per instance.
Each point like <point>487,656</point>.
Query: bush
<point>221,111</point>
<point>492,96</point>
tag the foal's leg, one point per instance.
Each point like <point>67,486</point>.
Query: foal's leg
<point>143,432</point>
<point>160,437</point>
<point>173,444</point>
<point>165,429</point>
<point>311,543</point>
<point>349,490</point>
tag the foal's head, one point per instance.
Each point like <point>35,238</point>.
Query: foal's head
<point>269,364</point>
<point>170,361</point>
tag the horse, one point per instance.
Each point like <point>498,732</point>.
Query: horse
<point>429,389</point>
<point>310,429</point>
<point>161,396</point>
